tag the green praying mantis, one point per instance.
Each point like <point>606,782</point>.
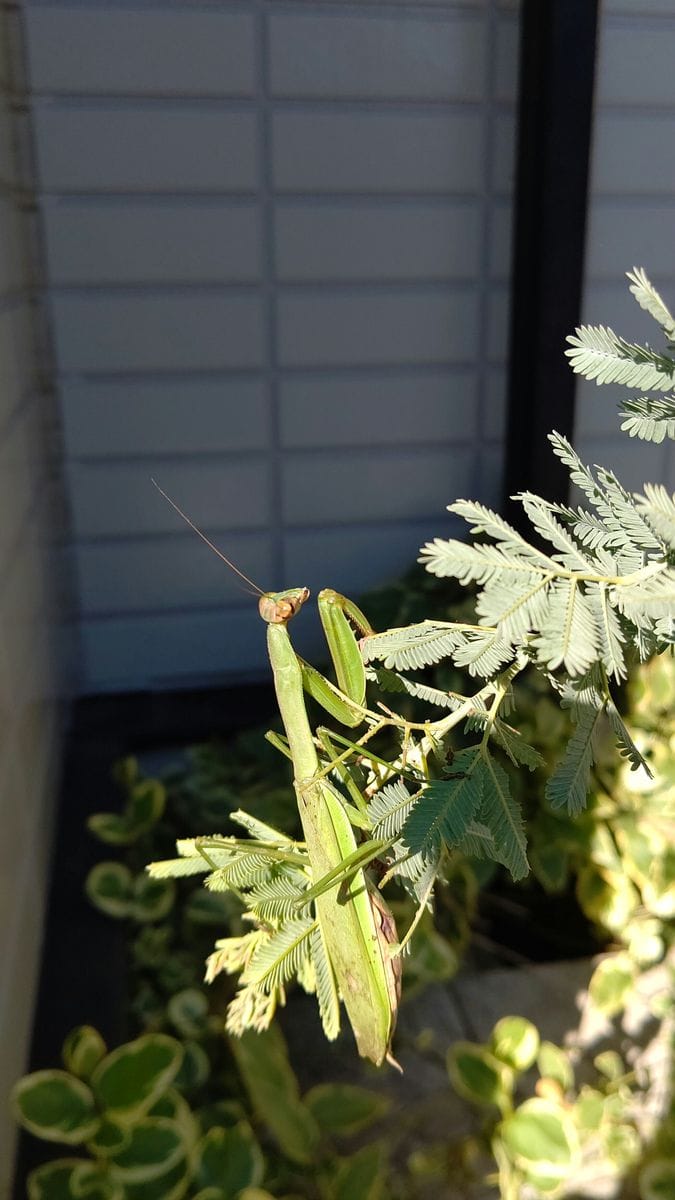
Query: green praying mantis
<point>316,913</point>
<point>353,921</point>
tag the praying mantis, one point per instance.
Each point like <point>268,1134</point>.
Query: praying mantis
<point>354,922</point>
<point>315,912</point>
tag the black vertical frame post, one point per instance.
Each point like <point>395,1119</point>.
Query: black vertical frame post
<point>557,70</point>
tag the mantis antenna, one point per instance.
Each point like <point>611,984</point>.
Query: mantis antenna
<point>204,538</point>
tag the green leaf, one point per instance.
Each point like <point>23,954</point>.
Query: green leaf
<point>541,1139</point>
<point>568,636</point>
<point>156,1145</point>
<point>515,1041</point>
<point>553,1063</point>
<point>229,1159</point>
<point>152,899</point>
<point>657,1180</point>
<point>54,1180</point>
<point>279,958</point>
<point>327,994</point>
<point>145,804</point>
<point>360,1177</point>
<point>477,1075</point>
<point>110,1138</point>
<point>194,1069</point>
<point>443,811</point>
<point>262,1060</point>
<point>610,1064</point>
<point>188,1011</point>
<point>341,1108</point>
<point>82,1051</point>
<point>568,785</point>
<point>610,984</point>
<point>109,886</point>
<point>55,1106</point>
<point>132,1078</point>
<point>503,817</point>
<point>650,418</point>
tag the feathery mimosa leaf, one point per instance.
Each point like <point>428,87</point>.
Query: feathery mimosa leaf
<point>326,985</point>
<point>568,634</point>
<point>444,809</point>
<point>391,681</point>
<point>502,815</point>
<point>648,298</point>
<point>514,745</point>
<point>543,519</point>
<point>389,808</point>
<point>275,961</point>
<point>596,352</point>
<point>627,746</point>
<point>657,506</point>
<point>610,636</point>
<point>484,653</point>
<point>413,646</point>
<point>649,418</point>
<point>568,785</point>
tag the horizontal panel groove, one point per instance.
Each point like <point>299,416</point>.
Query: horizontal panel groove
<point>356,449</point>
<point>358,105</point>
<point>365,287</point>
<point>328,368</point>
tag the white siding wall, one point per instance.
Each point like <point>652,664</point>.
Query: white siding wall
<point>278,243</point>
<point>632,214</point>
<point>31,606</point>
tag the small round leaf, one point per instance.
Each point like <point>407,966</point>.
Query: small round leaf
<point>110,1138</point>
<point>554,1063</point>
<point>152,898</point>
<point>194,1069</point>
<point>541,1139</point>
<point>56,1107</point>
<point>132,1078</point>
<point>344,1107</point>
<point>476,1074</point>
<point>83,1050</point>
<point>155,1146</point>
<point>52,1181</point>
<point>515,1041</point>
<point>610,984</point>
<point>109,886</point>
<point>188,1011</point>
<point>230,1159</point>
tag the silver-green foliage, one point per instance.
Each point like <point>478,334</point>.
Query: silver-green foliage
<point>593,590</point>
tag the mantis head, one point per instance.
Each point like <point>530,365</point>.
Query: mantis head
<point>278,607</point>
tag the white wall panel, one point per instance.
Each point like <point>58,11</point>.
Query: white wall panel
<point>161,331</point>
<point>378,408</point>
<point>343,487</point>
<point>115,499</point>
<point>340,56</point>
<point>140,51</point>
<point>122,418</point>
<point>136,148</point>
<point>151,243</point>
<point>380,152</point>
<point>360,241</point>
<point>405,326</point>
